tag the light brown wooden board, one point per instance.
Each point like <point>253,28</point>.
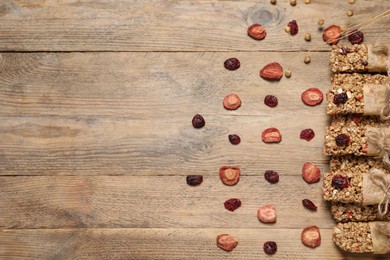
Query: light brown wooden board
<point>96,25</point>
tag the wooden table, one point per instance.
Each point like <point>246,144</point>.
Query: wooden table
<point>96,141</point>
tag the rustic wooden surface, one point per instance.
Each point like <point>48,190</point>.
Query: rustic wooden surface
<point>96,102</point>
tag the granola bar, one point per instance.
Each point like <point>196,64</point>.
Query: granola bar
<point>346,212</point>
<point>363,237</point>
<point>359,58</point>
<point>351,194</point>
<point>355,164</point>
<point>366,94</point>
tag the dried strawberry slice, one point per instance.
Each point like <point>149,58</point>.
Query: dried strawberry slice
<point>257,31</point>
<point>226,242</point>
<point>311,173</point>
<point>271,135</point>
<point>312,97</point>
<point>272,71</point>
<point>229,175</point>
<point>331,35</point>
<point>311,236</point>
<point>231,102</point>
<point>267,213</point>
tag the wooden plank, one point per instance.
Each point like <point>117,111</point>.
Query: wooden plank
<point>50,25</point>
<point>155,202</point>
<point>160,244</point>
<point>130,113</point>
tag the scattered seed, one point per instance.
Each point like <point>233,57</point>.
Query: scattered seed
<point>287,73</point>
<point>271,176</point>
<point>198,121</point>
<point>271,101</point>
<point>226,242</point>
<point>349,13</point>
<point>271,135</point>
<point>307,59</point>
<point>287,29</point>
<point>312,97</point>
<point>311,173</point>
<point>307,134</point>
<point>231,102</point>
<point>232,204</point>
<point>293,2</point>
<point>351,2</point>
<point>340,182</point>
<point>273,2</point>
<point>321,22</point>
<point>355,37</point>
<point>234,139</point>
<point>229,175</point>
<point>307,2</point>
<point>270,247</point>
<point>308,37</point>
<point>257,31</point>
<point>267,214</point>
<point>272,71</point>
<point>331,35</point>
<point>194,180</point>
<point>311,236</point>
<point>232,64</point>
<point>309,204</point>
<point>293,27</point>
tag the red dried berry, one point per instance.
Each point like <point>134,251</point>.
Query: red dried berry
<point>198,121</point>
<point>340,182</point>
<point>309,204</point>
<point>271,176</point>
<point>271,135</point>
<point>194,180</point>
<point>272,71</point>
<point>234,139</point>
<point>342,140</point>
<point>293,27</point>
<point>312,97</point>
<point>232,204</point>
<point>340,98</point>
<point>232,64</point>
<point>331,35</point>
<point>311,173</point>
<point>226,242</point>
<point>271,101</point>
<point>270,247</point>
<point>229,175</point>
<point>307,134</point>
<point>311,236</point>
<point>355,37</point>
<point>257,31</point>
<point>231,102</point>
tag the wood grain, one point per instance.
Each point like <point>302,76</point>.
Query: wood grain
<point>49,25</point>
<point>130,113</point>
<point>156,202</point>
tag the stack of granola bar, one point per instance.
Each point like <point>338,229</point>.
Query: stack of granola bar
<point>358,139</point>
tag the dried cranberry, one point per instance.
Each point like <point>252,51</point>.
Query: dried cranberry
<point>340,98</point>
<point>342,140</point>
<point>364,62</point>
<point>270,247</point>
<point>340,182</point>
<point>309,204</point>
<point>271,176</point>
<point>198,121</point>
<point>307,134</point>
<point>232,204</point>
<point>293,27</point>
<point>194,180</point>
<point>343,51</point>
<point>355,37</point>
<point>234,139</point>
<point>232,64</point>
<point>271,101</point>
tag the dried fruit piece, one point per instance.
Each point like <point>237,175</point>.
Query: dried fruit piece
<point>271,135</point>
<point>231,102</point>
<point>307,134</point>
<point>355,37</point>
<point>340,182</point>
<point>342,140</point>
<point>257,31</point>
<point>331,35</point>
<point>272,71</point>
<point>340,98</point>
<point>194,180</point>
<point>311,173</point>
<point>270,247</point>
<point>312,97</point>
<point>271,101</point>
<point>229,175</point>
<point>232,64</point>
<point>309,204</point>
<point>293,27</point>
<point>226,242</point>
<point>232,204</point>
<point>271,176</point>
<point>267,213</point>
<point>198,121</point>
<point>311,236</point>
<point>234,139</point>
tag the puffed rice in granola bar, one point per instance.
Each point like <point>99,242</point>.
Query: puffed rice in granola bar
<point>346,212</point>
<point>366,94</point>
<point>363,237</point>
<point>360,58</point>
